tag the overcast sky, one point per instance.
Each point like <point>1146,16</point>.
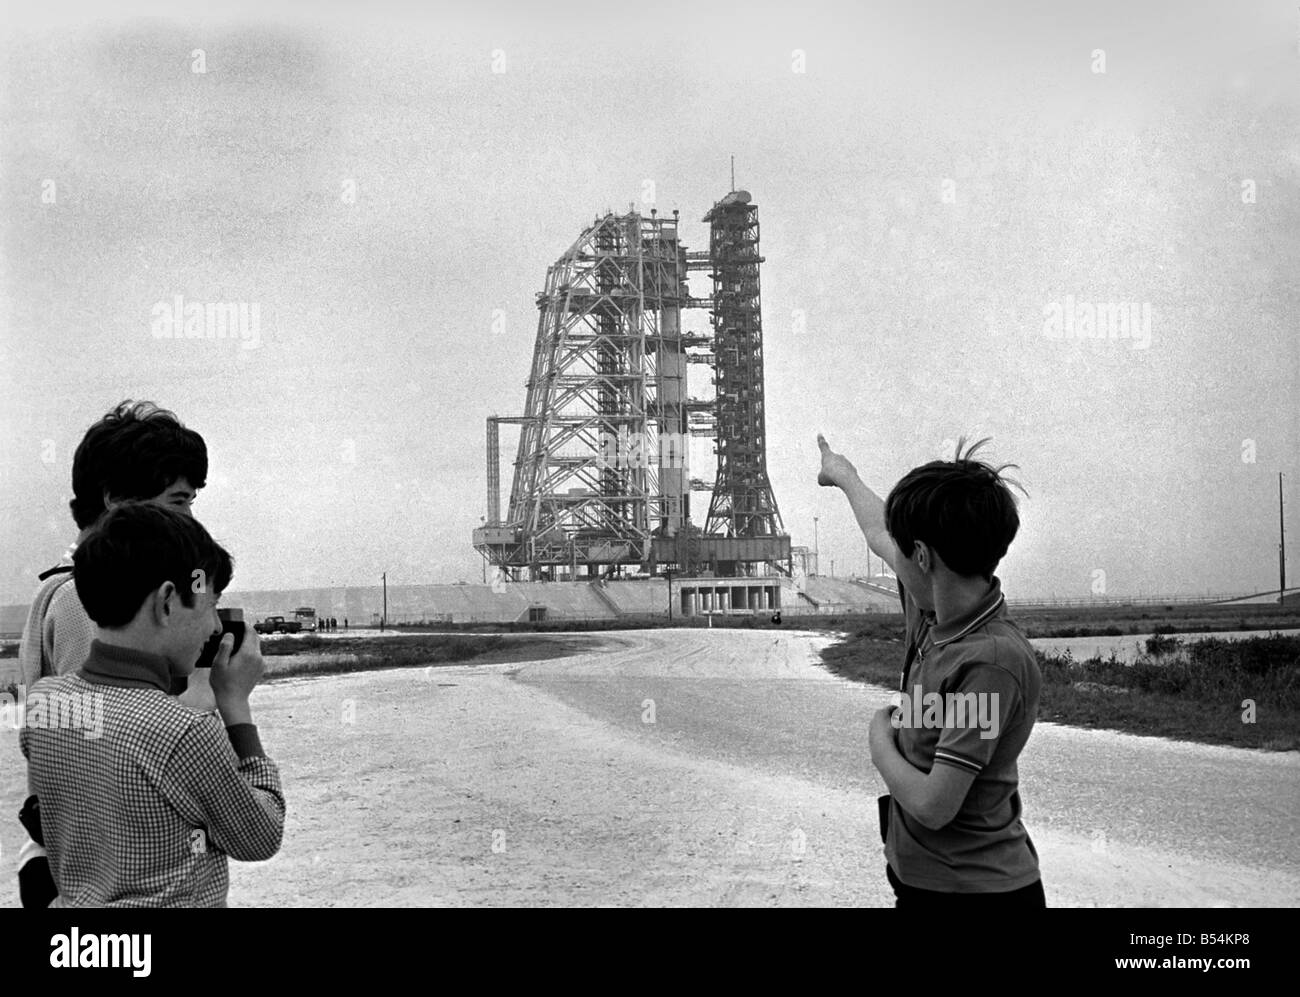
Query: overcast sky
<point>935,183</point>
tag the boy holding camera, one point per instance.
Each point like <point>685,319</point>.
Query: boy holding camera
<point>146,813</point>
<point>137,451</point>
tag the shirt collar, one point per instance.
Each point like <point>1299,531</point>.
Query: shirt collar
<point>986,609</point>
<point>110,664</point>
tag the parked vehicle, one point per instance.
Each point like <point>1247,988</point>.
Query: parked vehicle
<point>278,625</point>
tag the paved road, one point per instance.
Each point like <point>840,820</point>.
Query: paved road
<point>1104,799</point>
<point>717,767</point>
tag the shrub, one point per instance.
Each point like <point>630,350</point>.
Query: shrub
<point>1158,643</point>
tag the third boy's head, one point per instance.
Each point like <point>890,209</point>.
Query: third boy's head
<point>957,516</point>
<point>152,575</point>
<point>137,451</point>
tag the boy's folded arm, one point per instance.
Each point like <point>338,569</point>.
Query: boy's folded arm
<point>933,798</point>
<point>962,751</point>
<point>945,791</point>
<point>237,796</point>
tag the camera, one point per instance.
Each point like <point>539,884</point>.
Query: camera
<point>232,622</point>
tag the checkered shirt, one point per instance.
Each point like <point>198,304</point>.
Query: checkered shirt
<point>57,636</point>
<point>146,813</point>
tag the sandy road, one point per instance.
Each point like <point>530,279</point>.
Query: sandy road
<point>718,767</point>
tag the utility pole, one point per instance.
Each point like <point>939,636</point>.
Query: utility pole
<point>1281,545</point>
<point>668,573</point>
<point>383,620</point>
<point>817,563</point>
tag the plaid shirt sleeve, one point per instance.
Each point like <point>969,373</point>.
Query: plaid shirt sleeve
<point>238,800</point>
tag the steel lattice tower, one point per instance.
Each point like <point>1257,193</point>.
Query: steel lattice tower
<point>742,504</point>
<point>601,460</point>
<point>600,475</point>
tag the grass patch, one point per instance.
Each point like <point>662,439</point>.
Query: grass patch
<point>318,655</point>
<point>1190,692</point>
<point>312,655</point>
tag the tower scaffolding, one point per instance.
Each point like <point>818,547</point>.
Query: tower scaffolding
<point>601,477</point>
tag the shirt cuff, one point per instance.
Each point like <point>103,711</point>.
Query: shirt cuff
<point>244,739</point>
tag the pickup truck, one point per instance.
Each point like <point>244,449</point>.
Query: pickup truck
<point>278,625</point>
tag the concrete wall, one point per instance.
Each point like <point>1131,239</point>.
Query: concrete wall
<point>479,604</point>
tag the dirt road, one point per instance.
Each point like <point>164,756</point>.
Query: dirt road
<point>717,767</point>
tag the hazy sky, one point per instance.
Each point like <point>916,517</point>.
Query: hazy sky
<point>935,182</point>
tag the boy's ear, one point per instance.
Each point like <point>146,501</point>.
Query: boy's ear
<point>923,555</point>
<point>166,600</point>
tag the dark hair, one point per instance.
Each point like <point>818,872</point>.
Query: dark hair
<point>135,547</point>
<point>135,452</point>
<point>962,508</point>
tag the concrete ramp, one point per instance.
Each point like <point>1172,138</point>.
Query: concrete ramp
<point>840,595</point>
<point>639,598</point>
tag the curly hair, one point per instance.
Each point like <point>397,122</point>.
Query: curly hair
<point>135,452</point>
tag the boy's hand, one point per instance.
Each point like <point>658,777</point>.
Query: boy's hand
<point>234,679</point>
<point>881,732</point>
<point>835,469</point>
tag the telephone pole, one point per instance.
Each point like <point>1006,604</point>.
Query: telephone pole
<point>817,567</point>
<point>384,619</point>
<point>1281,545</point>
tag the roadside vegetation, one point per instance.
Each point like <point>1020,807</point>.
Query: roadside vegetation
<point>1200,690</point>
<point>328,656</point>
<point>311,655</point>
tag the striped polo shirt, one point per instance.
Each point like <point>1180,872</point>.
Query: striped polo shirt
<point>971,689</point>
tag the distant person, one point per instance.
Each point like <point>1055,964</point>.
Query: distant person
<point>136,451</point>
<point>345,623</point>
<point>951,822</point>
<point>145,813</point>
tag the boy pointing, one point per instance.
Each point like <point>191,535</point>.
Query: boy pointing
<point>952,827</point>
